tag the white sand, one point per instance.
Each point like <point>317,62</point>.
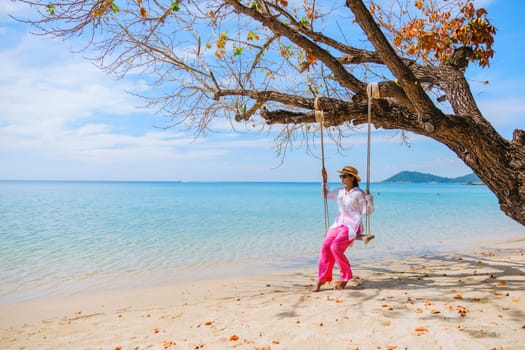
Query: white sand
<point>465,300</point>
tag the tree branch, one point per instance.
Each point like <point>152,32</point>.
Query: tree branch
<point>341,75</point>
<point>406,78</point>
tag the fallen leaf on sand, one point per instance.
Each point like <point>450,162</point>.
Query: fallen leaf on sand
<point>462,311</point>
<point>234,338</point>
<point>166,344</point>
<point>391,347</point>
<point>502,283</point>
<point>156,330</point>
<point>458,296</point>
<point>275,342</point>
<point>421,329</point>
<point>208,323</point>
<point>434,311</point>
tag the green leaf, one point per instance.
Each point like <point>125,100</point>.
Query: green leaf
<point>252,36</point>
<point>305,21</point>
<point>256,5</point>
<point>175,6</point>
<point>115,8</point>
<point>50,9</point>
<point>237,51</point>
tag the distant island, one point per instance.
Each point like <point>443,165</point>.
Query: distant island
<point>417,177</point>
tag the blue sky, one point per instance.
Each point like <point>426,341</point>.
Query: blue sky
<point>62,118</point>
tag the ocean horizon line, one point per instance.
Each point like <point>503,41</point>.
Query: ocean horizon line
<point>214,181</point>
<point>172,181</point>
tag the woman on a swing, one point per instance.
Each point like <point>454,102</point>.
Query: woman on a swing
<point>352,204</point>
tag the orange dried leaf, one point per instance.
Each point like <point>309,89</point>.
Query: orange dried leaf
<point>434,311</point>
<point>143,12</point>
<point>421,329</point>
<point>458,296</point>
<point>208,323</point>
<point>234,338</point>
<point>166,344</point>
<point>502,283</point>
<point>156,330</point>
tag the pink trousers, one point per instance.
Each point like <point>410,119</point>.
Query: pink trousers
<point>333,251</point>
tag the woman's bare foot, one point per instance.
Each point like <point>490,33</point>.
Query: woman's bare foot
<point>368,238</point>
<point>340,285</point>
<point>317,286</point>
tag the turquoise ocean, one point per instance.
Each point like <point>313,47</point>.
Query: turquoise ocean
<point>59,238</point>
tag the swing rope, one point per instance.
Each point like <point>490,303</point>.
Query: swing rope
<point>372,90</point>
<point>319,117</point>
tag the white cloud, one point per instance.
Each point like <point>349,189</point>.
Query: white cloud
<point>61,108</point>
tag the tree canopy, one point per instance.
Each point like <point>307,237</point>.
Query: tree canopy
<point>280,63</point>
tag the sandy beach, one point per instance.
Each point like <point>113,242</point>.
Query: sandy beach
<point>463,300</point>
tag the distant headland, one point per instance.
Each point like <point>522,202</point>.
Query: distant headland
<point>417,177</point>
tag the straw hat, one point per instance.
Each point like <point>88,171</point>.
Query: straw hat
<point>351,171</point>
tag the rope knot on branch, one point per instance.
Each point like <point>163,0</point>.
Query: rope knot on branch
<point>319,114</point>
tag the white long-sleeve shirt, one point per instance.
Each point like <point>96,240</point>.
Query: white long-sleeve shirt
<point>351,206</point>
